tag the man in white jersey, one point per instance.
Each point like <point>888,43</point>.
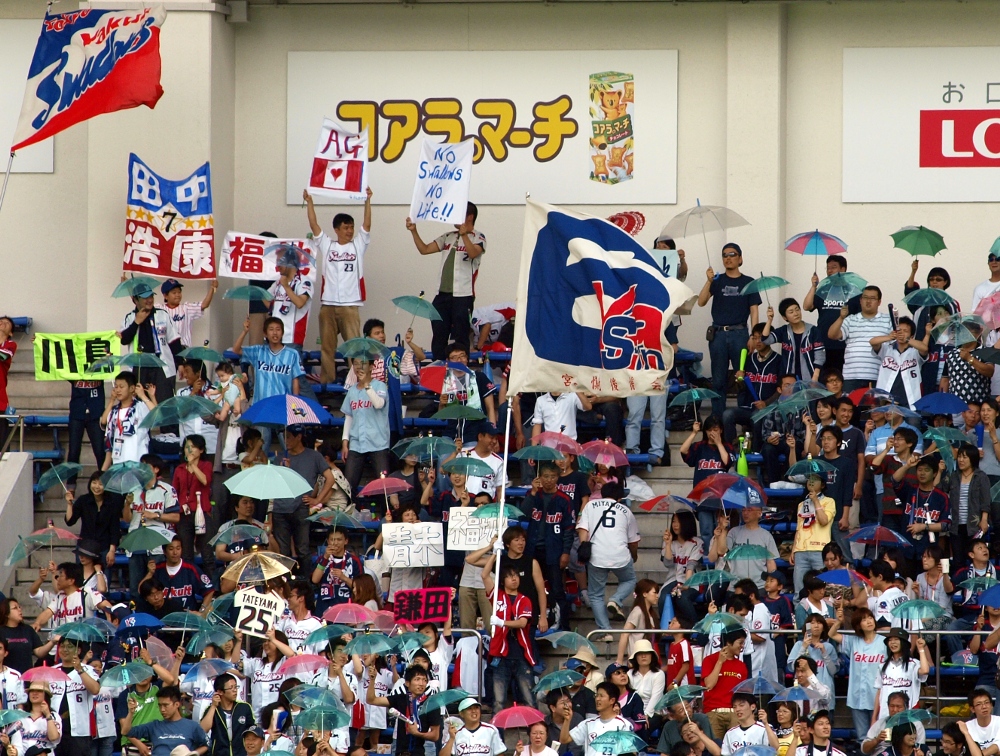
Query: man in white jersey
<point>985,728</point>
<point>74,699</point>
<point>752,727</point>
<point>475,738</point>
<point>991,284</point>
<point>604,721</point>
<point>482,450</point>
<point>343,280</point>
<point>820,728</point>
<point>298,621</point>
<point>71,604</point>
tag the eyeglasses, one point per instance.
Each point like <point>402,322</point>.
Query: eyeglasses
<point>729,254</point>
<point>230,689</point>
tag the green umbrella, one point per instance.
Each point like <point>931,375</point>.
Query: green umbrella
<point>809,466</point>
<point>219,635</point>
<point>179,409</point>
<point>202,353</point>
<point>249,294</point>
<point>408,642</point>
<point>467,466</point>
<point>694,397</point>
<point>458,411</point>
<point>764,284</point>
<point>186,621</point>
<point>363,349</point>
<point>442,699</point>
<point>417,306</point>
<point>617,742</point>
<point>726,620</point>
<point>562,678</point>
<point>9,716</point>
<point>709,577</point>
<point>908,715</point>
<point>979,583</point>
<point>126,674</point>
<point>960,328</point>
<point>307,696</point>
<point>787,406</point>
<point>492,511</point>
<point>678,694</point>
<point>269,482</point>
<point>323,718</point>
<point>946,435</point>
<point>335,518</point>
<point>237,533</point>
<point>57,474</point>
<point>841,286</point>
<point>746,552</point>
<point>143,286</point>
<point>424,447</point>
<point>918,240</point>
<point>917,609</point>
<point>145,538</point>
<point>810,394</point>
<point>370,643</point>
<point>21,551</point>
<point>79,631</point>
<point>328,633</point>
<point>126,477</point>
<point>538,453</point>
<point>928,298</point>
<point>569,640</point>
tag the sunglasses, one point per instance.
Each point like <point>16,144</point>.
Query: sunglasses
<point>729,254</point>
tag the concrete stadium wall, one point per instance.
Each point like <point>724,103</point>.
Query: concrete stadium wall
<point>17,511</point>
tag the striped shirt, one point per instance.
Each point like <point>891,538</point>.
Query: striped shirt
<point>860,362</point>
<point>273,371</point>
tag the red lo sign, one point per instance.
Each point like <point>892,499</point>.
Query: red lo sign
<point>959,138</point>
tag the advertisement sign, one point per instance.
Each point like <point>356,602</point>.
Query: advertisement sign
<point>921,124</point>
<point>581,127</point>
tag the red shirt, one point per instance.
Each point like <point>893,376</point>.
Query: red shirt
<point>187,486</point>
<point>676,656</point>
<point>732,674</point>
<point>7,350</point>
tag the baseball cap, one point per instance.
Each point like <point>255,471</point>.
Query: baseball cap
<point>295,430</point>
<point>120,612</point>
<point>777,576</point>
<point>141,292</point>
<point>467,703</point>
<point>255,730</point>
<point>612,668</point>
<point>169,285</point>
<point>573,664</point>
<point>37,750</point>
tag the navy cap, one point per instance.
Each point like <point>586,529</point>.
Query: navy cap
<point>612,668</point>
<point>777,576</point>
<point>255,730</point>
<point>169,285</point>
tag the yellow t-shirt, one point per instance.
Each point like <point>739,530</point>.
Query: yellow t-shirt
<point>810,535</point>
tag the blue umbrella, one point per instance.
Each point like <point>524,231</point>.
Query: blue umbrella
<point>758,686</point>
<point>741,494</point>
<point>843,577</point>
<point>284,410</point>
<point>797,693</point>
<point>941,403</point>
<point>138,621</point>
<point>990,597</point>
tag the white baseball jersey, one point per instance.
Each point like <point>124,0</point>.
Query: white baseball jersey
<point>440,661</point>
<point>73,607</point>
<point>612,527</point>
<point>585,732</point>
<point>805,750</point>
<point>492,319</point>
<point>375,716</point>
<point>104,712</point>
<point>35,732</point>
<point>12,688</point>
<point>298,630</point>
<point>265,681</point>
<point>294,319</point>
<point>343,269</point>
<point>882,605</point>
<point>201,691</point>
<point>740,737</point>
<point>79,701</point>
<point>485,740</point>
<point>475,484</point>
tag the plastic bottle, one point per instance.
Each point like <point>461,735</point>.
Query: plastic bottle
<point>742,466</point>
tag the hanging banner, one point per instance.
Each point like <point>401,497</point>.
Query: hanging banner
<point>65,356</point>
<point>339,166</point>
<point>413,544</point>
<point>252,256</point>
<point>169,226</point>
<point>441,191</point>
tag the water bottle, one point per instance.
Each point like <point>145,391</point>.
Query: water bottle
<point>742,466</point>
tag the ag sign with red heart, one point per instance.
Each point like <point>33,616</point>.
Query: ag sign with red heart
<point>629,221</point>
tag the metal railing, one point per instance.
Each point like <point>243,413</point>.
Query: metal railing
<point>18,429</point>
<point>938,698</point>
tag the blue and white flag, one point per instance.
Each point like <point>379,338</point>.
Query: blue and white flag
<point>592,309</point>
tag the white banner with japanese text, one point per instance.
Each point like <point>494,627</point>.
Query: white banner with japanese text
<point>256,257</point>
<point>581,127</point>
<point>418,544</point>
<point>468,533</point>
<point>921,124</point>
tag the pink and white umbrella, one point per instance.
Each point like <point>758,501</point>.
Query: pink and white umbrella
<point>603,452</point>
<point>45,674</point>
<point>349,614</point>
<point>558,441</point>
<point>385,486</point>
<point>310,663</point>
<point>989,310</point>
<point>385,621</point>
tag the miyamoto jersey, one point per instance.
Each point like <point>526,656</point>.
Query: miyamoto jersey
<point>185,582</point>
<point>485,740</point>
<point>585,732</point>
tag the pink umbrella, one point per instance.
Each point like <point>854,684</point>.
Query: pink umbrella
<point>48,535</point>
<point>349,614</point>
<point>558,441</point>
<point>385,621</point>
<point>159,651</point>
<point>517,716</point>
<point>989,310</point>
<point>45,674</point>
<point>310,663</point>
<point>385,486</point>
<point>605,453</point>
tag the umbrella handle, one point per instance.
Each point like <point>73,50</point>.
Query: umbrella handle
<point>704,238</point>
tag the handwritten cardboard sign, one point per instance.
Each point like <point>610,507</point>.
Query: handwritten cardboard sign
<point>441,191</point>
<point>467,533</point>
<point>340,165</point>
<point>418,544</point>
<point>422,605</point>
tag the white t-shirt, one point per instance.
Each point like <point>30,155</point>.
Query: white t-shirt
<point>985,736</point>
<point>897,677</point>
<point>181,317</point>
<point>485,740</point>
<point>612,527</point>
<point>129,442</point>
<point>475,484</point>
<point>558,413</point>
<point>882,606</point>
<point>585,732</point>
<point>343,269</point>
<point>440,659</point>
<point>740,737</point>
<point>463,270</point>
<point>294,319</point>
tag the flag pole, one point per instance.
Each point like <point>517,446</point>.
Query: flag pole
<point>497,587</point>
<point>6,178</point>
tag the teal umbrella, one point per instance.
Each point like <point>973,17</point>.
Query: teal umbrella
<point>562,678</point>
<point>678,694</point>
<point>249,294</point>
<point>370,643</point>
<point>946,436</point>
<point>617,742</point>
<point>440,700</point>
<point>202,353</point>
<point>959,329</point>
<point>907,716</point>
<point>134,359</point>
<point>9,716</point>
<point>458,411</point>
<point>186,621</point>
<point>57,474</point>
<point>307,696</point>
<point>237,533</point>
<point>269,482</point>
<point>694,397</point>
<point>725,620</point>
<point>928,298</point>
<point>746,552</point>
<point>179,409</point>
<point>408,642</point>
<point>21,551</point>
<point>467,466</point>
<point>335,518</point>
<point>538,453</point>
<point>492,511</point>
<point>809,466</point>
<point>980,583</point>
<point>140,286</point>
<point>363,349</point>
<point>424,447</point>
<point>79,631</point>
<point>841,286</point>
<point>126,477</point>
<point>763,285</point>
<point>219,635</point>
<point>323,718</point>
<point>917,609</point>
<point>569,640</point>
<point>709,577</point>
<point>328,633</point>
<point>417,306</point>
<point>145,538</point>
<point>126,674</point>
<point>918,240</point>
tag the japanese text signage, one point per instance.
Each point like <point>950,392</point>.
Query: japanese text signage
<point>468,533</point>
<point>922,124</point>
<point>584,127</point>
<point>441,191</point>
<point>413,544</point>
<point>169,226</point>
<point>257,612</point>
<point>255,257</point>
<point>65,356</point>
<point>422,605</point>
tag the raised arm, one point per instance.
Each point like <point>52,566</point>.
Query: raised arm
<point>238,346</point>
<point>311,214</point>
<point>424,248</point>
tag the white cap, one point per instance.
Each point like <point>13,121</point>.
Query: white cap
<point>466,703</point>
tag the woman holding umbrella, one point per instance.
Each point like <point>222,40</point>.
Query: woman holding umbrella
<point>42,728</point>
<point>263,671</point>
<point>681,553</point>
<point>99,513</point>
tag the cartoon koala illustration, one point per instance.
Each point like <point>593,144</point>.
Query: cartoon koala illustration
<point>629,92</point>
<point>617,154</point>
<point>628,163</point>
<point>611,104</point>
<point>600,165</point>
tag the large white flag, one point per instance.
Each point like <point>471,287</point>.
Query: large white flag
<point>592,309</point>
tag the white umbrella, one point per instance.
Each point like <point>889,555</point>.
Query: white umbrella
<point>701,219</point>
